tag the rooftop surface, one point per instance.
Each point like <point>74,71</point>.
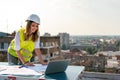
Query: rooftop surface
<point>85,78</point>
<point>100,76</point>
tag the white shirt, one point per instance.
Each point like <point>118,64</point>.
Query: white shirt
<point>17,42</point>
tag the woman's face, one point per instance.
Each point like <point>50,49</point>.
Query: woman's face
<point>33,27</point>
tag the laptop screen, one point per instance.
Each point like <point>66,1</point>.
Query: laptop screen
<point>56,66</point>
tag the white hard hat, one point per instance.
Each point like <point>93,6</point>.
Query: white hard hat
<point>34,18</point>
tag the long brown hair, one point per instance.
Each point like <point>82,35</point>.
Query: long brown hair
<point>34,36</point>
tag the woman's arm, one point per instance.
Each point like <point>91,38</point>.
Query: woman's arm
<point>20,57</point>
<point>39,54</point>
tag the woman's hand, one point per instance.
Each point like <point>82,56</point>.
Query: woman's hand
<point>44,63</point>
<point>29,64</point>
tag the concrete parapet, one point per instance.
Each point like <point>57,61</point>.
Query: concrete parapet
<point>98,75</point>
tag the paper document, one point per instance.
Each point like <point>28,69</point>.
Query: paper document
<point>19,71</point>
<point>38,67</point>
<point>2,68</point>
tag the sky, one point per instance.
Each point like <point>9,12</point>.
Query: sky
<point>75,17</point>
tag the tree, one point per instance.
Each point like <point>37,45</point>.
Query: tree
<point>64,47</point>
<point>91,50</point>
<point>118,44</point>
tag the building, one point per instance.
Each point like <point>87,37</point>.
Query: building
<point>50,46</point>
<point>47,34</point>
<point>3,34</point>
<point>82,46</point>
<point>4,43</point>
<point>64,40</point>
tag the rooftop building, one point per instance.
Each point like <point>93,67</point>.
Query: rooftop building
<point>64,40</point>
<point>50,46</point>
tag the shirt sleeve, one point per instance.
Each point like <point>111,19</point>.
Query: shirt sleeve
<point>37,43</point>
<point>17,41</point>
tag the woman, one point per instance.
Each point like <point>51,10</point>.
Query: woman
<point>25,42</point>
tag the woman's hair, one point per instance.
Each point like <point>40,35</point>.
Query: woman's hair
<point>34,36</point>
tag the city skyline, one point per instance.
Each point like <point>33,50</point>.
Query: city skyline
<point>76,17</point>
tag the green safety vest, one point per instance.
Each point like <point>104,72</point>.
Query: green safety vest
<point>26,47</point>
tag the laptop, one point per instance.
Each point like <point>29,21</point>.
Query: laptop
<point>56,66</point>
